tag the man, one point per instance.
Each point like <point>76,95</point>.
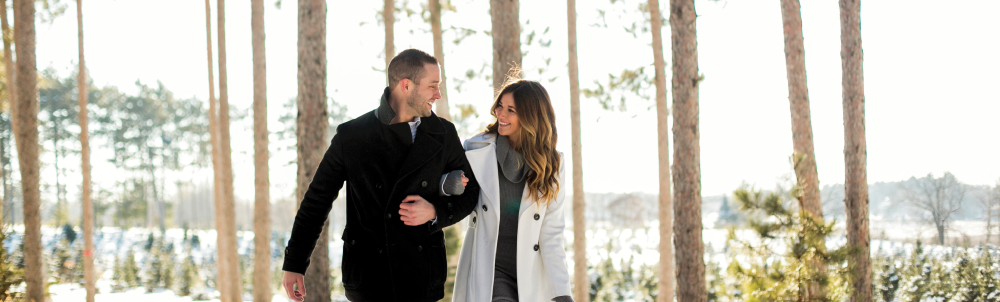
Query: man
<point>392,159</point>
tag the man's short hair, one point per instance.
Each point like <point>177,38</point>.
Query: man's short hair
<point>408,64</point>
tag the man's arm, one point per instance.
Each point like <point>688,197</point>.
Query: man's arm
<point>315,208</point>
<point>452,209</point>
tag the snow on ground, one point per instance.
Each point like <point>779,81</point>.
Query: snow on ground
<point>641,244</point>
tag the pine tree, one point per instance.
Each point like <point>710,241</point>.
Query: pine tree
<point>787,276</point>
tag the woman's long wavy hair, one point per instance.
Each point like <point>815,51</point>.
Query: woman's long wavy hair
<point>536,138</point>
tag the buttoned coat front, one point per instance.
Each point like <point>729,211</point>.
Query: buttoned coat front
<point>541,257</point>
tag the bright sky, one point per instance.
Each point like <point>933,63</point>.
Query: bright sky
<point>930,80</point>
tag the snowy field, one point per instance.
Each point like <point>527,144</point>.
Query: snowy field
<point>603,241</point>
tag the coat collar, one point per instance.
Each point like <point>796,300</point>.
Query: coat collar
<point>385,114</point>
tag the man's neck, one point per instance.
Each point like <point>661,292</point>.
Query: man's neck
<point>402,115</point>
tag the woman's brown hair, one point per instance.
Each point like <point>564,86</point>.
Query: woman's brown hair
<point>536,138</point>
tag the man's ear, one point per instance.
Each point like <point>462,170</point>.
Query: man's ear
<point>404,85</point>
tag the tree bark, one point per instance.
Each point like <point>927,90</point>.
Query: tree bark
<point>442,104</point>
<point>227,205</point>
<point>217,196</point>
<point>804,157</point>
<point>798,97</point>
<point>26,134</point>
<point>262,200</point>
<point>666,272</point>
<point>506,33</point>
<point>389,19</point>
<point>855,149</point>
<point>9,69</point>
<point>687,158</point>
<point>310,131</point>
<point>88,206</point>
<point>581,283</point>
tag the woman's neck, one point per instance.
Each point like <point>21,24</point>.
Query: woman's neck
<point>515,142</point>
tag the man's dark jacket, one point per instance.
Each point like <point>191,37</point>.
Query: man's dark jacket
<point>385,260</point>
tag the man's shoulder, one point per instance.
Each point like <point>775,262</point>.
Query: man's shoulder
<point>357,124</point>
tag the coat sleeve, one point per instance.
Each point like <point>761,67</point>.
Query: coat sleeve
<point>552,242</point>
<point>315,207</point>
<point>452,209</point>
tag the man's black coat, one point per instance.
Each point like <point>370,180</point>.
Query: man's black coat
<point>385,260</point>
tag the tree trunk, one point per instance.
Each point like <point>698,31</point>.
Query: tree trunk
<point>9,69</point>
<point>262,200</point>
<point>88,206</point>
<point>8,62</point>
<point>798,97</point>
<point>228,207</point>
<point>60,204</point>
<point>442,104</point>
<point>804,158</point>
<point>687,158</point>
<point>506,33</point>
<point>389,19</point>
<point>222,279</point>
<point>310,131</point>
<point>26,134</point>
<point>581,283</point>
<point>666,272</point>
<point>855,149</point>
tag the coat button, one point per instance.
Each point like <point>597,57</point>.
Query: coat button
<point>449,205</point>
<point>423,184</point>
<point>378,186</point>
<point>473,219</point>
<point>536,247</point>
<point>450,217</point>
<point>537,217</point>
<point>388,216</point>
<point>379,250</point>
<point>420,248</point>
<point>352,241</point>
<point>484,208</point>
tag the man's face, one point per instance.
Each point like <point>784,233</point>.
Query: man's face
<point>424,91</point>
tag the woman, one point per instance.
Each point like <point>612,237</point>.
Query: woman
<point>513,250</point>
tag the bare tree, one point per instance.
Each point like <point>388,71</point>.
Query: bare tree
<point>262,200</point>
<point>310,131</point>
<point>687,153</point>
<point>389,20</point>
<point>441,104</point>
<point>989,203</point>
<point>855,149</point>
<point>88,206</point>
<point>666,206</point>
<point>222,276</point>
<point>506,31</point>
<point>581,284</point>
<point>936,197</point>
<point>227,207</point>
<point>9,68</point>
<point>26,137</point>
<point>802,137</point>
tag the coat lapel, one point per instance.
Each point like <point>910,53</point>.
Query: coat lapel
<point>484,164</point>
<point>426,145</point>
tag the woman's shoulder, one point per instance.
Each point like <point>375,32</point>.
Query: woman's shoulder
<point>482,137</point>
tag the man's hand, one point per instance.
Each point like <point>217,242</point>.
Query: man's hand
<point>415,210</point>
<point>290,280</point>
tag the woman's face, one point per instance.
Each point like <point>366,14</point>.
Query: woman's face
<point>507,116</point>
